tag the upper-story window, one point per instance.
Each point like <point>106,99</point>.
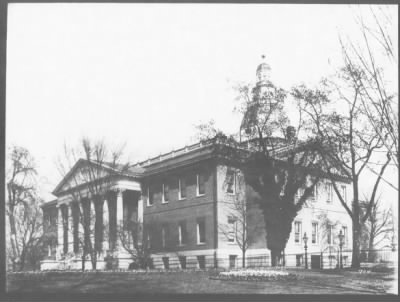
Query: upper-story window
<point>231,181</point>
<point>299,193</point>
<point>150,197</point>
<point>344,193</point>
<point>330,192</point>
<point>314,232</point>
<point>297,231</point>
<point>314,193</point>
<point>201,189</point>
<point>231,229</point>
<point>165,193</point>
<point>182,188</point>
<point>201,231</point>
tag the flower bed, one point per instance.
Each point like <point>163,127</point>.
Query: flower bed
<point>50,273</point>
<point>256,275</point>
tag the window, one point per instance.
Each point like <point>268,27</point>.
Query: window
<point>299,193</point>
<point>330,192</point>
<point>230,182</point>
<point>344,193</point>
<point>299,260</point>
<point>314,193</point>
<point>330,231</point>
<point>182,262</point>
<point>201,190</point>
<point>201,231</point>
<point>163,231</point>
<point>149,197</point>
<point>182,233</point>
<point>165,193</point>
<point>148,239</point>
<point>345,234</point>
<point>166,262</point>
<point>231,229</point>
<point>232,261</point>
<point>182,188</point>
<point>297,231</point>
<point>314,232</point>
<point>201,260</point>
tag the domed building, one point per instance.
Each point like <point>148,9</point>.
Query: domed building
<point>179,209</point>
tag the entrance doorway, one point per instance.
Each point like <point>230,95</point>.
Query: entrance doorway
<point>232,261</point>
<point>315,261</point>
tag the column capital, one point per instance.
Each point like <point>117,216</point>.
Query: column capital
<point>118,190</point>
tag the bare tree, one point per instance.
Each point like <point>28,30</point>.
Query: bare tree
<point>241,226</point>
<point>348,138</point>
<point>22,207</point>
<point>102,164</point>
<point>376,48</point>
<point>280,164</point>
<point>377,228</point>
<point>135,240</point>
<point>276,164</point>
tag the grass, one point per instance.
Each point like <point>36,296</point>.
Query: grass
<point>311,282</point>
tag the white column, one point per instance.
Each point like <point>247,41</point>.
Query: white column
<point>120,217</point>
<point>140,220</point>
<point>140,210</point>
<point>92,221</point>
<point>60,233</point>
<point>81,232</point>
<point>106,227</point>
<point>120,207</point>
<point>70,229</point>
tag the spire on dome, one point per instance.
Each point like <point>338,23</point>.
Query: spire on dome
<point>262,72</point>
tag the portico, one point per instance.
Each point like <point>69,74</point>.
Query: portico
<point>92,215</point>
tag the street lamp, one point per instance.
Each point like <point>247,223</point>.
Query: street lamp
<point>341,242</point>
<point>305,239</point>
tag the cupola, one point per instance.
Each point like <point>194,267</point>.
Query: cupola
<point>263,71</point>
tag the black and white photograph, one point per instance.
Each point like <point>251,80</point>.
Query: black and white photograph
<point>201,148</point>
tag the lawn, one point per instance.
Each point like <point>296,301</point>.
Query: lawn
<point>309,282</point>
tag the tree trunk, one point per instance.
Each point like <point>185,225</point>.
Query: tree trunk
<point>13,233</point>
<point>93,257</point>
<point>22,260</point>
<point>98,225</point>
<point>275,254</point>
<point>243,258</point>
<point>371,253</point>
<point>355,260</point>
<point>83,259</point>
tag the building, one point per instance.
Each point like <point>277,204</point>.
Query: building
<point>182,200</point>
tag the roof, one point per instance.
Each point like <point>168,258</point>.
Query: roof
<point>116,169</point>
<point>49,203</point>
<point>184,156</point>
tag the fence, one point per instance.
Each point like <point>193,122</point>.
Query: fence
<point>318,260</point>
<point>328,259</point>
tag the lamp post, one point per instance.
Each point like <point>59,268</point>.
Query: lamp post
<point>305,239</point>
<point>341,241</point>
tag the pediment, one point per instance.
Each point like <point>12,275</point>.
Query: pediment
<point>82,173</point>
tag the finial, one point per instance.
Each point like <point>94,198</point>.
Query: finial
<point>263,56</point>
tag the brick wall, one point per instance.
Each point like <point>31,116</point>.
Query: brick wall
<point>190,210</point>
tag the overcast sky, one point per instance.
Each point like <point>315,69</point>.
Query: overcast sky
<point>144,74</point>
